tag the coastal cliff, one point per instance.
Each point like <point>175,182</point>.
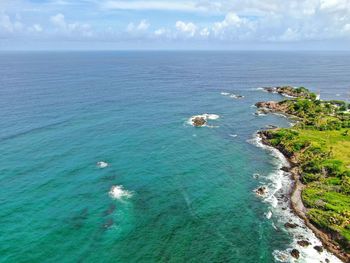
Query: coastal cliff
<point>318,149</point>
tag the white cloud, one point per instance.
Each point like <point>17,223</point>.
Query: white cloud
<point>220,20</point>
<point>8,25</point>
<point>160,31</point>
<point>187,28</point>
<point>290,35</point>
<point>231,20</point>
<point>232,26</point>
<point>204,32</point>
<point>335,5</point>
<point>58,20</point>
<point>346,28</point>
<point>142,26</point>
<point>151,5</point>
<point>35,28</point>
<point>60,23</point>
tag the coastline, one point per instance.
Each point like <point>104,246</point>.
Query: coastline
<point>299,209</point>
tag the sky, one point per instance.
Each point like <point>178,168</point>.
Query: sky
<point>177,24</point>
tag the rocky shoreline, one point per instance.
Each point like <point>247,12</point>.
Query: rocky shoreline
<point>312,116</point>
<point>291,92</point>
<point>299,209</point>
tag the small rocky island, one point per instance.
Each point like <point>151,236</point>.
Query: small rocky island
<point>318,149</point>
<point>199,121</point>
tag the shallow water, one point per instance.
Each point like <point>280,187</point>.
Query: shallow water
<point>169,192</point>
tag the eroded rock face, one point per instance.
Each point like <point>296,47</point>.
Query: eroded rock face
<point>295,253</point>
<point>285,169</point>
<point>199,121</point>
<point>271,105</point>
<point>303,243</point>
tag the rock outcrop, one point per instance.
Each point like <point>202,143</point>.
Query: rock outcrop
<point>290,225</point>
<point>272,106</point>
<point>303,243</point>
<point>295,253</point>
<point>262,190</point>
<point>199,121</point>
<point>318,248</point>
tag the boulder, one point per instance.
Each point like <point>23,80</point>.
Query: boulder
<point>290,225</point>
<point>295,253</point>
<point>303,243</point>
<point>262,190</point>
<point>285,169</point>
<point>318,248</point>
<point>199,121</point>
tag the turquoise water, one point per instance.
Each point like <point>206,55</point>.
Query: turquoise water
<point>188,191</point>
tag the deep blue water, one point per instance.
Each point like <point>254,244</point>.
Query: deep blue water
<point>188,192</point>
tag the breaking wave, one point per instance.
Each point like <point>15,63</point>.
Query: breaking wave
<point>118,192</point>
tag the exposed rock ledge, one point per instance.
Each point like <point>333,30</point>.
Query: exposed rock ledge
<point>272,106</point>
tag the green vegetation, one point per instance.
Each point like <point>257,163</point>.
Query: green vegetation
<point>319,144</point>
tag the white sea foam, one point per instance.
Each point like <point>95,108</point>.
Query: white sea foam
<point>232,95</point>
<point>212,116</point>
<point>102,164</point>
<point>259,114</point>
<point>281,256</point>
<point>280,114</point>
<point>279,186</point>
<point>268,214</point>
<point>118,192</point>
<point>233,135</point>
<point>288,96</point>
<point>256,175</point>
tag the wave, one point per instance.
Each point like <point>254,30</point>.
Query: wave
<point>264,90</point>
<point>232,95</point>
<point>102,164</point>
<point>259,114</point>
<point>36,129</point>
<point>279,189</point>
<point>268,214</point>
<point>118,192</point>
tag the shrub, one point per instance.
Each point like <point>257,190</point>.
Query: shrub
<point>345,185</point>
<point>333,167</point>
<point>310,177</point>
<point>312,166</point>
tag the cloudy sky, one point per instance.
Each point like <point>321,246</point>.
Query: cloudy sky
<point>176,24</point>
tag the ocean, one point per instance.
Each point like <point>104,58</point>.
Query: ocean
<point>99,162</point>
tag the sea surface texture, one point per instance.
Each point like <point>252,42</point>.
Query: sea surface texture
<point>99,163</point>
